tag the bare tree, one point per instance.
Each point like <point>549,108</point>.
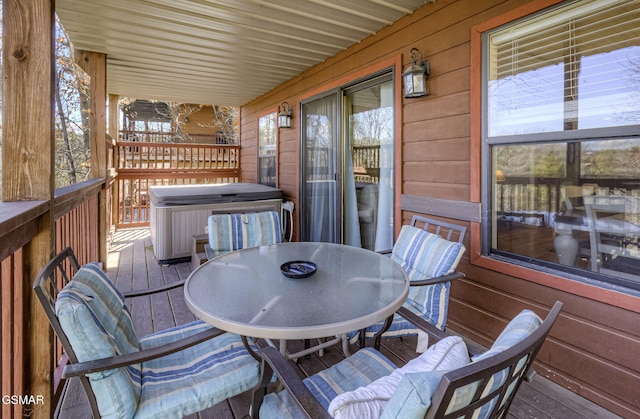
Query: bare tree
<point>73,136</point>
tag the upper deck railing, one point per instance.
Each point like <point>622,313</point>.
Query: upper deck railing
<point>144,164</point>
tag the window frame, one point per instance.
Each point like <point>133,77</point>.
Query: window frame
<point>584,284</point>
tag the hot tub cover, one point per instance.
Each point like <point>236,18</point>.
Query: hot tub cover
<point>166,196</point>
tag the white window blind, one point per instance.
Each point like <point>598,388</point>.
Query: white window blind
<point>575,67</point>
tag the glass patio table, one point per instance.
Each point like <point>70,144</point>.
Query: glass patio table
<point>245,292</point>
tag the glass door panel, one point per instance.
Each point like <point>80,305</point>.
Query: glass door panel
<point>320,189</point>
<point>368,164</point>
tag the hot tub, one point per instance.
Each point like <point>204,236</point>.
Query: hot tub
<point>179,212</point>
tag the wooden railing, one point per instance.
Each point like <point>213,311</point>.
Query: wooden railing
<point>218,138</point>
<point>76,223</point>
<point>366,163</point>
<point>141,165</point>
<point>545,197</point>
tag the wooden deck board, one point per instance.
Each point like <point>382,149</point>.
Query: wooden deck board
<point>137,267</point>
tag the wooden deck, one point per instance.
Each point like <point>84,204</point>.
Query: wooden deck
<point>132,265</point>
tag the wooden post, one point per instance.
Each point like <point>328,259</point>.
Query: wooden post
<point>28,156</point>
<point>95,65</point>
<point>114,131</point>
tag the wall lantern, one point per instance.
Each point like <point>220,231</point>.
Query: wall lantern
<point>284,117</point>
<point>415,76</point>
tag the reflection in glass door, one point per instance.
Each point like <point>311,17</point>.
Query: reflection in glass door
<point>369,158</point>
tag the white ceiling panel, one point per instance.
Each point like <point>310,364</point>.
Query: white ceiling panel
<point>224,52</point>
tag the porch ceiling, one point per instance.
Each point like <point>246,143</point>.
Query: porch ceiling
<point>221,52</point>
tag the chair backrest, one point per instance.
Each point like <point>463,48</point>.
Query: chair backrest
<point>614,230</point>
<point>90,318</point>
<point>573,194</point>
<point>486,387</point>
<point>449,231</point>
<point>228,232</point>
<point>425,255</point>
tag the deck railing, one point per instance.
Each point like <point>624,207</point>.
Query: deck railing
<point>173,137</point>
<point>366,163</point>
<point>545,197</point>
<point>142,164</point>
<point>76,224</point>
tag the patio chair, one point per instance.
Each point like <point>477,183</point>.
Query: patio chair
<point>430,257</point>
<point>610,236</point>
<point>171,373</point>
<point>443,382</point>
<point>229,232</point>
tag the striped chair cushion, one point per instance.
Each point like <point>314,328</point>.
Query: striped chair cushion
<point>196,378</point>
<point>358,370</point>
<point>517,330</point>
<point>92,314</point>
<point>98,325</point>
<point>228,232</point>
<point>422,255</point>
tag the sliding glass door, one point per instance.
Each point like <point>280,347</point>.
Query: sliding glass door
<point>320,187</point>
<point>347,165</point>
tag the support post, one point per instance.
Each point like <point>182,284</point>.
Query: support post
<point>28,155</point>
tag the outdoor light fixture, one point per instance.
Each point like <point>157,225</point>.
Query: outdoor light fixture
<point>415,76</point>
<point>284,117</point>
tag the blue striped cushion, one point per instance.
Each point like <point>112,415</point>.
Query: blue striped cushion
<point>422,255</point>
<point>519,328</point>
<point>196,378</point>
<point>98,325</point>
<point>92,314</point>
<point>228,232</point>
<point>358,370</point>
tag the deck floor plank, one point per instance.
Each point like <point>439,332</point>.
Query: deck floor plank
<point>137,267</point>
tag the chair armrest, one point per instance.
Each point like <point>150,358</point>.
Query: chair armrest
<point>209,251</point>
<point>437,280</point>
<point>153,290</point>
<point>118,361</point>
<point>385,252</point>
<point>273,361</point>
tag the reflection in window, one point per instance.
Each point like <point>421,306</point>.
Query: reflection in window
<point>562,94</point>
<point>73,115</point>
<point>267,136</point>
<point>577,67</point>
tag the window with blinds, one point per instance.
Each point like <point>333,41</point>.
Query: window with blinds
<point>561,131</point>
<point>575,67</point>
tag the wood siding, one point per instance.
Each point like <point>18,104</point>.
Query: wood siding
<point>593,348</point>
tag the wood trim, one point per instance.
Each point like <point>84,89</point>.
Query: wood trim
<point>14,215</point>
<point>18,237</point>
<point>73,196</point>
<point>582,289</point>
<point>447,208</point>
